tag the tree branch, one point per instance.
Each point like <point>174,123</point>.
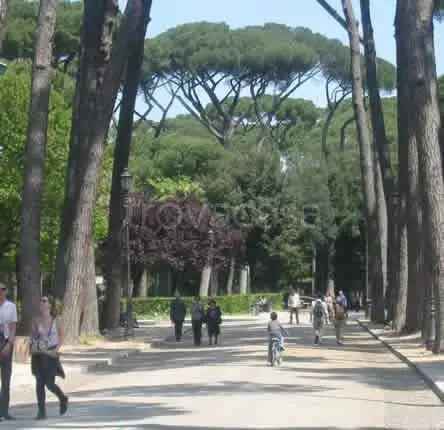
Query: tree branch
<point>335,15</point>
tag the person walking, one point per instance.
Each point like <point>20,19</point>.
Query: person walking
<point>319,312</point>
<point>294,303</point>
<point>342,300</point>
<point>197,318</point>
<point>329,301</point>
<point>213,318</point>
<point>46,341</point>
<point>8,327</point>
<point>340,318</point>
<point>178,311</point>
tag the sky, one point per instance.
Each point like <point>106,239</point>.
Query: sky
<point>295,13</point>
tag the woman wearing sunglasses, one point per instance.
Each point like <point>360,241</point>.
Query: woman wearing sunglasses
<point>46,341</point>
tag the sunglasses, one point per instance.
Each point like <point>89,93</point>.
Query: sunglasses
<point>44,301</point>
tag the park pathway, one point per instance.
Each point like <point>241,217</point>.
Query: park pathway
<point>358,386</point>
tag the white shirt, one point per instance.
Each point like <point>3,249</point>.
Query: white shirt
<point>324,305</point>
<point>294,301</point>
<point>8,315</point>
<point>52,335</point>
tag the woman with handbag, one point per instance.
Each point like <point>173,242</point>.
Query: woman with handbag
<point>46,341</point>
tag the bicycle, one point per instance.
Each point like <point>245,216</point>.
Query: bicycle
<point>276,351</point>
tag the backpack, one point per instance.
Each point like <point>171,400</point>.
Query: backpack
<point>318,310</point>
<point>214,315</point>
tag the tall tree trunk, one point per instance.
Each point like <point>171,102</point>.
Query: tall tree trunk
<point>323,254</point>
<point>3,21</point>
<point>381,143</point>
<point>89,318</point>
<point>230,280</point>
<point>243,281</point>
<point>381,208</point>
<point>205,281</point>
<point>30,271</point>
<point>376,278</point>
<point>143,284</point>
<point>121,160</point>
<point>214,283</point>
<point>416,28</point>
<point>416,280</point>
<point>404,239</point>
<point>102,60</point>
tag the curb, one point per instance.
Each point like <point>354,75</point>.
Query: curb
<point>423,375</point>
<point>114,359</point>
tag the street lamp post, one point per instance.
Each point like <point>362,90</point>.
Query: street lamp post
<point>126,182</point>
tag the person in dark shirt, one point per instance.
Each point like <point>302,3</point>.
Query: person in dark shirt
<point>213,319</point>
<point>178,312</point>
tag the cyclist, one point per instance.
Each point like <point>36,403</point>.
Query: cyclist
<point>275,330</point>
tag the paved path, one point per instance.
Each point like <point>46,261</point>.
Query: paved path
<point>359,386</point>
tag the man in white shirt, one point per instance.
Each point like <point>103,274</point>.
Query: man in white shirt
<point>8,326</point>
<point>294,303</point>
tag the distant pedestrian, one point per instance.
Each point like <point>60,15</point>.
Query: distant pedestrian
<point>46,341</point>
<point>213,318</point>
<point>342,300</point>
<point>294,304</point>
<point>197,318</point>
<point>340,318</point>
<point>319,312</point>
<point>329,301</point>
<point>8,326</point>
<point>178,312</point>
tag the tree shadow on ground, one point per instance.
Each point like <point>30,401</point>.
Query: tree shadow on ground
<point>86,414</point>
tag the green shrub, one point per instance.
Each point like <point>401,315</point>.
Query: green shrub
<point>155,307</point>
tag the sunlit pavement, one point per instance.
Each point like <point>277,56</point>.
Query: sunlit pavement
<point>175,387</point>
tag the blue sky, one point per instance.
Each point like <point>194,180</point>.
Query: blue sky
<point>307,13</point>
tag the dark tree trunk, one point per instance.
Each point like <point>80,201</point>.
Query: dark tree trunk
<point>404,240</point>
<point>30,271</point>
<point>121,160</point>
<point>102,60</point>
<point>323,261</point>
<point>381,208</point>
<point>376,278</point>
<point>3,18</point>
<point>416,280</point>
<point>416,28</point>
<point>381,144</point>
<point>230,279</point>
<point>214,284</point>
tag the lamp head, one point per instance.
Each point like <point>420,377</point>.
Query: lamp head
<point>126,180</point>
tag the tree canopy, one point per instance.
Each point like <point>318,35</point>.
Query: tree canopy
<point>22,24</point>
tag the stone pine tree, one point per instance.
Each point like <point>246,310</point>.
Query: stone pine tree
<point>376,278</point>
<point>408,303</point>
<point>415,27</point>
<point>103,55</point>
<point>385,184</point>
<point>121,159</point>
<point>30,272</point>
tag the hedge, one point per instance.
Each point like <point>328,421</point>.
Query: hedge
<point>235,304</point>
